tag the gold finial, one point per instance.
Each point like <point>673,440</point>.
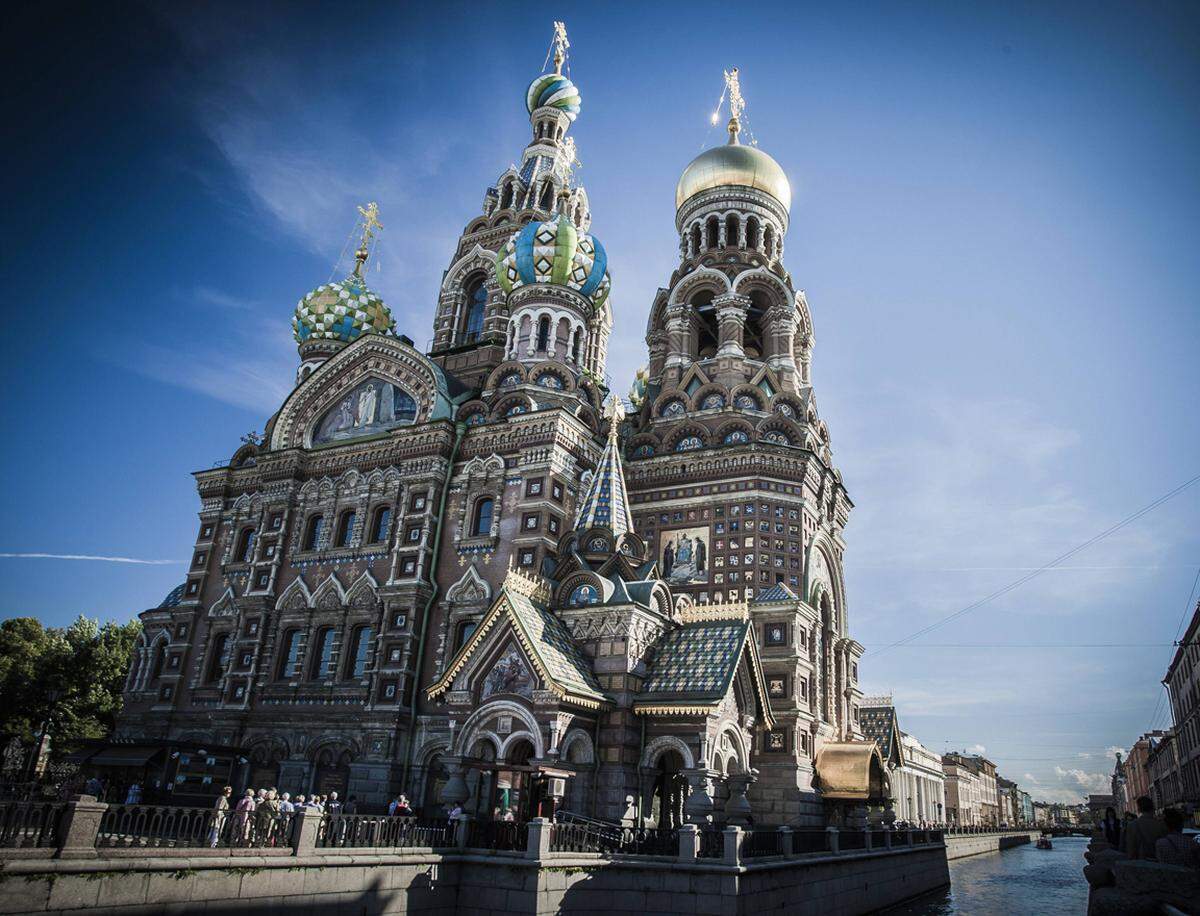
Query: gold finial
<point>614,411</point>
<point>370,222</point>
<point>736,104</point>
<point>560,46</point>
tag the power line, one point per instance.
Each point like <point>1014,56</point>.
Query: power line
<point>1038,645</point>
<point>1017,583</point>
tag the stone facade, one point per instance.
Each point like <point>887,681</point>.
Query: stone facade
<point>357,609</point>
<point>1183,684</point>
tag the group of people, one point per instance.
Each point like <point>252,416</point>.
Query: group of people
<point>257,812</point>
<point>399,806</point>
<point>1149,837</point>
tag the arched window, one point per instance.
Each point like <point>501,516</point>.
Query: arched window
<point>543,334</point>
<point>695,247</point>
<point>754,336</point>
<point>476,304</point>
<point>245,546</point>
<point>379,526</point>
<point>712,232</point>
<point>312,533</point>
<point>506,196</point>
<point>547,200</point>
<point>322,666</point>
<point>769,241</point>
<point>346,528</point>
<point>575,345</point>
<point>481,523</point>
<point>289,658</point>
<point>356,666</point>
<point>708,334</point>
<point>584,594</point>
<point>160,659</point>
<point>753,233</point>
<point>732,230</point>
<point>216,659</point>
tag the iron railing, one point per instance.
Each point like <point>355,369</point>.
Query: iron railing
<point>124,826</point>
<point>504,836</point>
<point>810,840</point>
<point>764,842</point>
<point>712,843</point>
<point>341,831</point>
<point>30,825</point>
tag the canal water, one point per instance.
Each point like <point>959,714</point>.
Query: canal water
<point>1015,882</point>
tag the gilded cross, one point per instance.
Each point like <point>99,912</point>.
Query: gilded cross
<point>736,103</point>
<point>370,216</point>
<point>560,46</point>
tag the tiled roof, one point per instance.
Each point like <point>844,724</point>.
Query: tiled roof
<point>777,592</point>
<point>879,723</point>
<point>174,596</point>
<point>550,640</point>
<point>696,662</point>
<point>607,502</point>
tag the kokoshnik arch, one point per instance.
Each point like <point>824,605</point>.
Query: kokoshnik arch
<point>461,575</point>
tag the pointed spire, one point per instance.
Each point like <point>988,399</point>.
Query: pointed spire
<point>607,501</point>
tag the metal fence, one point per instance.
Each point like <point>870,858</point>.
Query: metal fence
<point>610,838</point>
<point>505,836</point>
<point>340,831</point>
<point>125,826</point>
<point>30,825</point>
<point>712,843</point>
<point>763,842</point>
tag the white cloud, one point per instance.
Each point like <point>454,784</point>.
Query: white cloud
<point>977,749</point>
<point>1029,777</point>
<point>1082,781</point>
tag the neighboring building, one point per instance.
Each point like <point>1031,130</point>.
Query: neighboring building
<point>1183,685</point>
<point>917,781</point>
<point>964,792</point>
<point>985,771</point>
<point>450,573</point>
<point>1162,762</point>
<point>1041,814</point>
<point>1026,803</point>
<point>1006,801</point>
<point>1097,804</point>
<point>1133,777</point>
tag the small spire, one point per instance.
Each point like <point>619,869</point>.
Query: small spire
<point>560,46</point>
<point>564,202</point>
<point>736,104</point>
<point>370,222</point>
<point>606,503</point>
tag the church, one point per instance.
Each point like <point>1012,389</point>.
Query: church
<point>477,576</point>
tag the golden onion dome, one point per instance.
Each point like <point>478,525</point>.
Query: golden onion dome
<point>733,165</point>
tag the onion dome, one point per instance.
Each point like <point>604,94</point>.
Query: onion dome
<point>555,91</point>
<point>343,310</point>
<point>734,165</point>
<point>555,251</point>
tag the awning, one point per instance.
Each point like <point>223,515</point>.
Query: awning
<point>851,770</point>
<point>123,756</point>
<point>81,756</point>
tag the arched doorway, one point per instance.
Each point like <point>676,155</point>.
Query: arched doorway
<point>332,772</point>
<point>514,783</point>
<point>481,780</point>
<point>435,781</point>
<point>264,766</point>
<point>669,790</point>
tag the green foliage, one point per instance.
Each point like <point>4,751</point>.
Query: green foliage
<point>85,662</point>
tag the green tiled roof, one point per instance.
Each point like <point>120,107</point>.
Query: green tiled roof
<point>549,638</point>
<point>696,662</point>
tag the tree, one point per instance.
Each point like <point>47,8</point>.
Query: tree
<point>86,663</point>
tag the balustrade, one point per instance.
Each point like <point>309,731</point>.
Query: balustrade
<point>125,826</point>
<point>29,825</point>
<point>341,831</point>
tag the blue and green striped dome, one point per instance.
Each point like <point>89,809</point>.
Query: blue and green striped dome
<point>343,310</point>
<point>555,90</point>
<point>555,252</point>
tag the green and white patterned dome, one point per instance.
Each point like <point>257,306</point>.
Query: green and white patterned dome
<point>343,310</point>
<point>555,251</point>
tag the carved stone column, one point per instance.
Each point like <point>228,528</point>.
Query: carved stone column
<point>731,317</point>
<point>679,334</point>
<point>782,323</point>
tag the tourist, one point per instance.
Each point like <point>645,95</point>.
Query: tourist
<point>266,816</point>
<point>351,806</point>
<point>333,806</point>
<point>393,805</point>
<point>300,804</point>
<point>403,808</point>
<point>509,817</point>
<point>221,809</point>
<point>241,818</point>
<point>1175,848</point>
<point>454,813</point>
<point>285,803</point>
<point>1112,828</point>
<point>134,795</point>
<point>1143,833</point>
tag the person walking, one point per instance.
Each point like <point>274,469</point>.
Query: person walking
<point>1112,828</point>
<point>220,813</point>
<point>1144,833</point>
<point>1176,848</point>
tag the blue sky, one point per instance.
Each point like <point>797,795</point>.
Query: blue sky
<point>995,219</point>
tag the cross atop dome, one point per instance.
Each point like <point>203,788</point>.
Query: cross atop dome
<point>736,104</point>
